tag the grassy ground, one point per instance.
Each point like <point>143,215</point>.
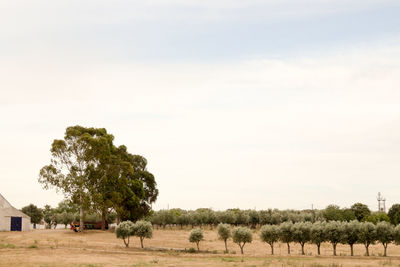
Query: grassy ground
<point>167,248</point>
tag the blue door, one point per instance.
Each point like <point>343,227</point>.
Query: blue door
<point>16,223</point>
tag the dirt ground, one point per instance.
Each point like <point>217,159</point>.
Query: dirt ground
<point>167,248</point>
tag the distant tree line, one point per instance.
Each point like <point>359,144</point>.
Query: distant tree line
<point>252,218</point>
<point>64,214</point>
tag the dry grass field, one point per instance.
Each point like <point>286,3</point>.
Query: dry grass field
<point>96,248</point>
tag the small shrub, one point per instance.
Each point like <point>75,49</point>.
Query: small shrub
<point>33,246</point>
<point>192,250</point>
<point>196,235</point>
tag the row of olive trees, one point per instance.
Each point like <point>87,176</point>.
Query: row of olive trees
<point>252,218</point>
<point>240,235</point>
<point>334,232</point>
<point>141,229</point>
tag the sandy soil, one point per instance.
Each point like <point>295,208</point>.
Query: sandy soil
<point>167,248</point>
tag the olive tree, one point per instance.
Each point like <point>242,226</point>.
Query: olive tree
<point>241,236</point>
<point>285,234</point>
<point>270,234</point>
<point>334,232</point>
<point>196,235</point>
<point>301,233</point>
<point>125,230</point>
<point>224,232</point>
<point>396,234</point>
<point>143,229</point>
<point>394,214</point>
<point>317,234</point>
<point>384,234</point>
<point>367,235</point>
<point>351,234</point>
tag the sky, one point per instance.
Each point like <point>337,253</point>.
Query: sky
<point>235,104</point>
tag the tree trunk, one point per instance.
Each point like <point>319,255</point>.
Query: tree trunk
<point>226,246</point>
<point>288,248</point>
<point>81,226</point>
<point>103,219</point>
<point>302,249</point>
<point>198,248</point>
<point>367,249</point>
<point>384,250</point>
<point>319,249</point>
<point>126,242</point>
<point>141,241</point>
<point>351,250</point>
<point>241,248</point>
<point>272,248</point>
<point>334,249</point>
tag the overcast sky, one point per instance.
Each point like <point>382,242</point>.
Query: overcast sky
<point>248,104</point>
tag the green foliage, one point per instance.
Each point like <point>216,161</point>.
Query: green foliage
<point>224,233</point>
<point>301,232</point>
<point>285,230</point>
<point>98,176</point>
<point>66,218</point>
<point>394,214</point>
<point>361,211</point>
<point>124,231</point>
<point>367,235</point>
<point>317,234</point>
<point>196,235</point>
<point>385,234</point>
<point>376,217</point>
<point>335,213</point>
<point>241,236</point>
<point>143,229</point>
<point>396,234</point>
<point>334,232</point>
<point>34,212</point>
<point>351,234</point>
<point>269,234</point>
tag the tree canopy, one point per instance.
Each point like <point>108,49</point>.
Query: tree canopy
<point>96,175</point>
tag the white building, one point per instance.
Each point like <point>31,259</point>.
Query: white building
<point>12,219</point>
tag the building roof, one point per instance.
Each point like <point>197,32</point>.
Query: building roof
<point>6,209</point>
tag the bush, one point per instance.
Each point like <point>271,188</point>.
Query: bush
<point>224,232</point>
<point>196,235</point>
<point>125,230</point>
<point>241,236</point>
<point>143,229</point>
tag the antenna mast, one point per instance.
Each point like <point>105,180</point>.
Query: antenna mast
<point>381,202</point>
